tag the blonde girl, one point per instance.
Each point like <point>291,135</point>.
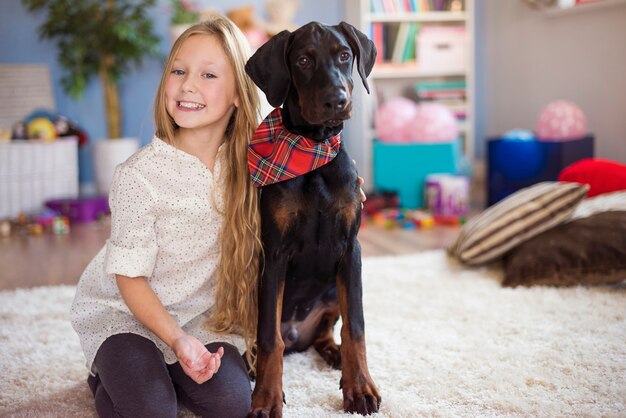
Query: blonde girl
<point>183,248</point>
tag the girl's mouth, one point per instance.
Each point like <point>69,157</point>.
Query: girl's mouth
<point>189,106</point>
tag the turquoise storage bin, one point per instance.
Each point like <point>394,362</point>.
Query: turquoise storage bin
<point>402,168</point>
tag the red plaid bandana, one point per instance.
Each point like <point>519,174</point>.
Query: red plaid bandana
<point>276,155</point>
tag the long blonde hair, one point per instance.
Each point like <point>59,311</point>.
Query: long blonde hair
<point>235,308</point>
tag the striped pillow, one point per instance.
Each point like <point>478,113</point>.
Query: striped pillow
<point>516,219</point>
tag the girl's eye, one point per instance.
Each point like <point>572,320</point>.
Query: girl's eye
<point>208,75</point>
<point>345,56</point>
<point>303,61</point>
<point>178,72</point>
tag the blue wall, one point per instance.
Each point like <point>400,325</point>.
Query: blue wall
<point>19,43</point>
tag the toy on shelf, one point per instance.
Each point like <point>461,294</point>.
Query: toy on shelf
<point>281,15</point>
<point>251,26</point>
<point>561,120</point>
<point>41,128</point>
<point>47,126</point>
<point>392,120</point>
<point>433,122</point>
<point>402,120</point>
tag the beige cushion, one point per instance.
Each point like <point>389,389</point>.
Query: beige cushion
<point>516,219</point>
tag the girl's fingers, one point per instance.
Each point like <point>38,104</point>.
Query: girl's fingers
<point>218,362</point>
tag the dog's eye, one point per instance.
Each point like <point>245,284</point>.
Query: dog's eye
<point>345,56</point>
<point>303,61</point>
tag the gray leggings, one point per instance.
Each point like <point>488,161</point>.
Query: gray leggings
<point>133,380</point>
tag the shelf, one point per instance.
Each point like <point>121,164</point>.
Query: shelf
<point>396,79</point>
<point>389,71</point>
<point>416,17</point>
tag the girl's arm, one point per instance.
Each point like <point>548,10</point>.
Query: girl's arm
<point>197,362</point>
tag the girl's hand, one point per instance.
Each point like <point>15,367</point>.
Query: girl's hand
<point>361,181</point>
<point>363,197</point>
<point>196,361</point>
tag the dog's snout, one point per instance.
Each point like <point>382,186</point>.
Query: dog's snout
<point>337,101</point>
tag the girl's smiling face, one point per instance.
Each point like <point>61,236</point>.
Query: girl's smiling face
<point>200,88</point>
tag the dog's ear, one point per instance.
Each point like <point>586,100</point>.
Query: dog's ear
<point>363,48</point>
<point>269,70</point>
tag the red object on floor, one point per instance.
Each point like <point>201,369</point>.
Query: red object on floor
<point>602,176</point>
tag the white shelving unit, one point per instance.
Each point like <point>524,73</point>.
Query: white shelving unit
<point>391,80</point>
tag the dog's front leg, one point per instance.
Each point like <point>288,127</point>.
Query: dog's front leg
<point>267,398</point>
<point>359,391</point>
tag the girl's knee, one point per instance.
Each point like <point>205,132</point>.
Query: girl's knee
<point>132,380</point>
<point>234,403</point>
<point>149,401</point>
<point>228,393</point>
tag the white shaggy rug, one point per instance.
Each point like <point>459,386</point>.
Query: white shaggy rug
<point>442,341</point>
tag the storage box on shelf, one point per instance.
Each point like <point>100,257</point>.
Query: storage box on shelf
<point>442,48</point>
<point>442,42</point>
<point>32,172</point>
<point>515,164</point>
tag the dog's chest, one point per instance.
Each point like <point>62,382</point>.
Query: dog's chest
<point>319,211</point>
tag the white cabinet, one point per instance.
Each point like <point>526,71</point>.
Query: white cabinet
<point>32,172</point>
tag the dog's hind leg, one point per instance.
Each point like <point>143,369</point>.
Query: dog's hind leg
<point>325,343</point>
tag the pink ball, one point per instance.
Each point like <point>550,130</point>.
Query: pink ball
<point>392,119</point>
<point>434,122</point>
<point>561,121</point>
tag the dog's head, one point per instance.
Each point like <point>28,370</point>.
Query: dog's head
<point>312,68</point>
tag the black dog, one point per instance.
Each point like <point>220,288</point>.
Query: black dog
<point>312,263</point>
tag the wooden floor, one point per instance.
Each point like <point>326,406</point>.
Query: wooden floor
<point>27,261</point>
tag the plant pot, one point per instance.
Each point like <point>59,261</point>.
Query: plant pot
<point>107,154</point>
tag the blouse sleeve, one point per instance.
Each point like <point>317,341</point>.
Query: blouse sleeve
<point>132,248</point>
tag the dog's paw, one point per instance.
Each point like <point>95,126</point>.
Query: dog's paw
<point>331,355</point>
<point>266,404</point>
<point>264,413</point>
<point>360,398</point>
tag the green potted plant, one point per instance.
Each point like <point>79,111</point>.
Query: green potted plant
<point>104,39</point>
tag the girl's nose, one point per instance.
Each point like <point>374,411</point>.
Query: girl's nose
<point>188,85</point>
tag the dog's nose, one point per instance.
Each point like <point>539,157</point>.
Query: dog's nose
<point>337,102</point>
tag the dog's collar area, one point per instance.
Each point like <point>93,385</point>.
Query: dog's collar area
<point>301,127</point>
<point>276,155</point>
